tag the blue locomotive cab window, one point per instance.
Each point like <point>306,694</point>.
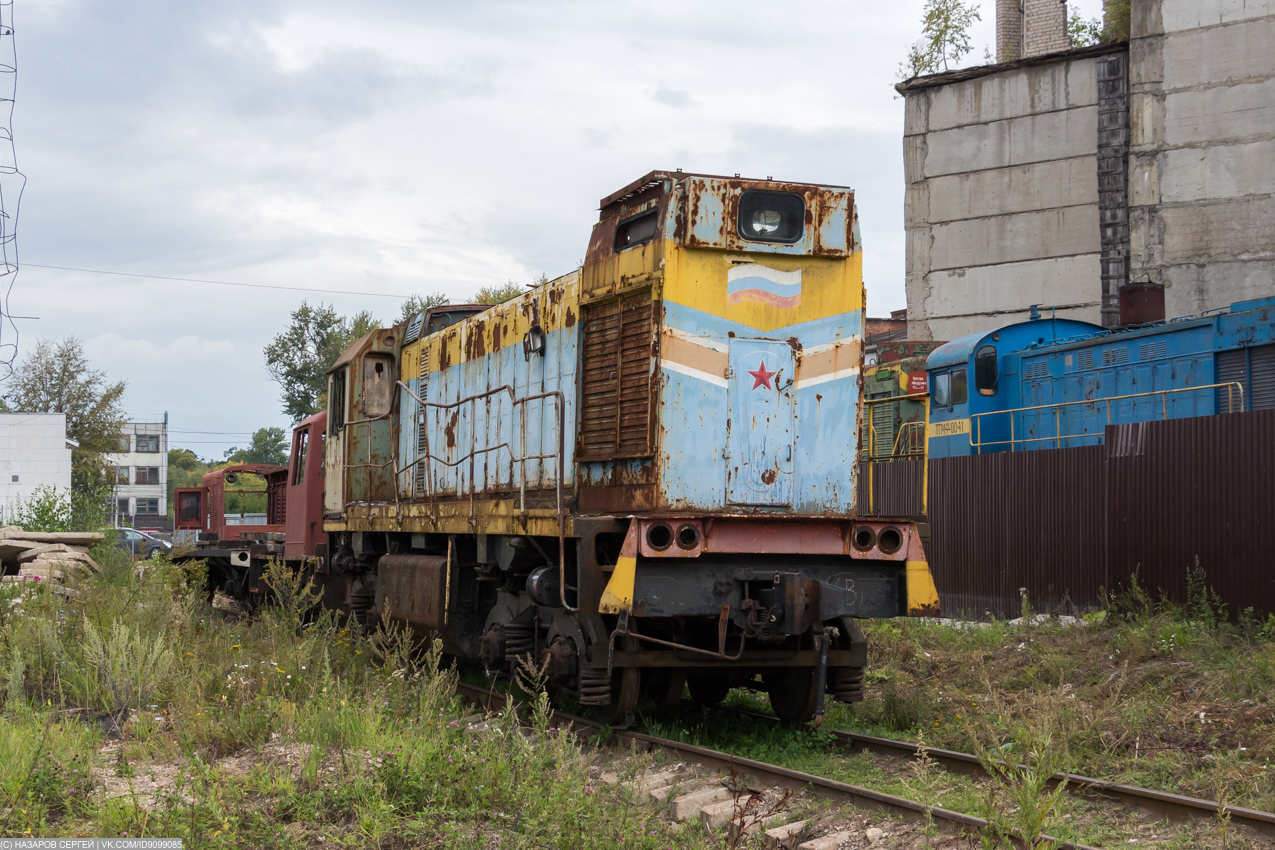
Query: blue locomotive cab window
<point>943,390</point>
<point>985,370</point>
<point>771,216</point>
<point>959,393</point>
<point>636,231</point>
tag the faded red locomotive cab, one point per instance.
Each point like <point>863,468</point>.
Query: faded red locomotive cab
<point>236,551</point>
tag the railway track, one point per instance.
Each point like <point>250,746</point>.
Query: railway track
<point>769,774</point>
<point>1159,802</point>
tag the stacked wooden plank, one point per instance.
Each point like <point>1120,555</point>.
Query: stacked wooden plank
<point>46,555</point>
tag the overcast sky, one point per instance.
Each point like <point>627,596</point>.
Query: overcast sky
<point>400,147</point>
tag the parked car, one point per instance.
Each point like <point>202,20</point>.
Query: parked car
<point>139,543</point>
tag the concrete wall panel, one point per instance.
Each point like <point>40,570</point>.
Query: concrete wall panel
<point>1012,238</point>
<point>1027,91</point>
<point>1238,229</point>
<point>1219,114</point>
<point>1223,171</point>
<point>1042,186</point>
<point>1192,289</point>
<point>1219,55</point>
<point>993,290</point>
<point>1179,15</point>
<point>1018,141</point>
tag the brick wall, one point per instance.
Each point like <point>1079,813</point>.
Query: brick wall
<point>1044,27</point>
<point>1009,30</point>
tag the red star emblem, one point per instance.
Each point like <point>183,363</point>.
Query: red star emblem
<point>762,377</point>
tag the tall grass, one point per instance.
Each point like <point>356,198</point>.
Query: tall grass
<point>131,707</point>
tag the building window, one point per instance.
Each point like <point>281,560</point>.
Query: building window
<point>15,479</point>
<point>121,475</point>
<point>148,506</point>
<point>146,475</point>
<point>148,442</point>
<point>121,507</point>
<point>125,445</point>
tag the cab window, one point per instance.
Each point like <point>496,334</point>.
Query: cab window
<point>299,446</point>
<point>959,393</point>
<point>771,216</point>
<point>985,370</point>
<point>943,390</point>
<point>636,231</point>
<point>336,402</point>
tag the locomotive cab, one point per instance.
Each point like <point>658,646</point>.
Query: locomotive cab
<point>974,382</point>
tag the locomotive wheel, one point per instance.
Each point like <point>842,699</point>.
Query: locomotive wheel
<point>626,688</point>
<point>793,693</point>
<point>709,689</point>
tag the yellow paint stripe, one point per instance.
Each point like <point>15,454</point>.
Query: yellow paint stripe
<point>923,595</point>
<point>618,595</point>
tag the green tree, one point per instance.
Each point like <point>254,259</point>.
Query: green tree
<point>269,445</point>
<point>499,294</point>
<point>185,469</point>
<point>56,377</point>
<point>299,358</point>
<point>419,304</point>
<point>945,39</point>
<point>1115,20</point>
<point>1083,32</point>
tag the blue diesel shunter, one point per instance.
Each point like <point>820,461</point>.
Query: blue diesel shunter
<point>1056,383</point>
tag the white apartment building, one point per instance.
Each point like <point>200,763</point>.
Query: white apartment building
<point>141,475</point>
<point>34,453</point>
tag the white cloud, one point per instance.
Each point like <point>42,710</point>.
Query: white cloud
<point>396,146</point>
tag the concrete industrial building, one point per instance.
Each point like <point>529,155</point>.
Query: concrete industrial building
<point>1055,177</point>
<point>34,453</point>
<point>141,476</point>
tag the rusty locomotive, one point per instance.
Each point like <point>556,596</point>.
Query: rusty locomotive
<point>640,474</point>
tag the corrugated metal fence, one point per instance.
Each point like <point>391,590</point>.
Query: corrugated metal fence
<point>891,488</point>
<point>1156,499</point>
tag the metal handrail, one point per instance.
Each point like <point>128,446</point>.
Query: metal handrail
<point>521,458</point>
<point>976,419</point>
<point>924,398</point>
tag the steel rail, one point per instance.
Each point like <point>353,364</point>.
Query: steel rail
<point>828,789</point>
<point>1160,802</point>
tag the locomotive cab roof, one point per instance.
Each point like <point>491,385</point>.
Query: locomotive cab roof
<point>1016,336</point>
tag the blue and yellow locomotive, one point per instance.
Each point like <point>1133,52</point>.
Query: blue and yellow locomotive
<point>640,474</point>
<point>1054,383</point>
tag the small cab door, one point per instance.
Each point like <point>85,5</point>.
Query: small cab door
<point>190,512</point>
<point>759,438</point>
